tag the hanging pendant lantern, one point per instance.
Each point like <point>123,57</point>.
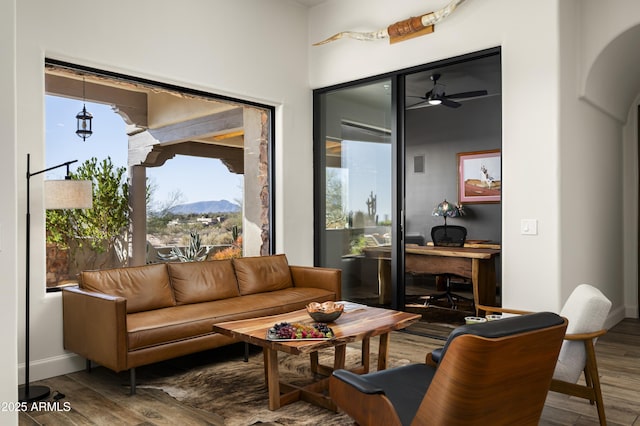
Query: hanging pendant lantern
<point>83,119</point>
<point>84,123</point>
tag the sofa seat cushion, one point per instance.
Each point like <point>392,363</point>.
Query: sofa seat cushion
<point>145,287</point>
<point>195,282</point>
<point>262,273</point>
<point>160,326</point>
<point>275,302</point>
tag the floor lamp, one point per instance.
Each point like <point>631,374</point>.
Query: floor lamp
<point>59,194</point>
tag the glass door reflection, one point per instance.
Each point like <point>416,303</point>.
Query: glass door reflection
<point>357,193</point>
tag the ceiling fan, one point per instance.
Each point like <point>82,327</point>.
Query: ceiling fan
<point>437,95</point>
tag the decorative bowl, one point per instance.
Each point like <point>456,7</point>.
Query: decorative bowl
<point>493,317</point>
<point>325,312</point>
<point>474,320</point>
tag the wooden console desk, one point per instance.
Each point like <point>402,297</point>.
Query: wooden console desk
<point>477,264</point>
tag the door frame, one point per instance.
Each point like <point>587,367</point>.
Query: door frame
<point>398,162</point>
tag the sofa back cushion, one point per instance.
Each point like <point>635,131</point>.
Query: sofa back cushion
<point>195,282</point>
<point>145,287</point>
<point>262,273</point>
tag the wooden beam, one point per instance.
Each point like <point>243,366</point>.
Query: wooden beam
<point>130,105</point>
<point>232,157</point>
<point>154,147</point>
<point>201,127</point>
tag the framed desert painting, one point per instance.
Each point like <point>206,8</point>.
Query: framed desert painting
<point>479,179</point>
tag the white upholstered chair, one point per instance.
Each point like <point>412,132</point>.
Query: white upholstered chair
<point>586,309</point>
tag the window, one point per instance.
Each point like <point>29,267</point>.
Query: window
<point>202,138</point>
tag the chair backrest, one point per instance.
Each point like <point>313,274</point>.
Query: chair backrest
<point>501,378</point>
<point>586,309</point>
<point>448,235</point>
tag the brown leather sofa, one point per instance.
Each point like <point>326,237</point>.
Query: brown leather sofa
<point>128,317</point>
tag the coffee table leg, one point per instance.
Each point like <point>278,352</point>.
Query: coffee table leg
<point>272,377</point>
<point>366,354</point>
<point>383,351</point>
<point>313,356</point>
<point>340,356</point>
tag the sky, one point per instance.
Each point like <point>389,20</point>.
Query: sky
<point>198,179</point>
<point>369,171</point>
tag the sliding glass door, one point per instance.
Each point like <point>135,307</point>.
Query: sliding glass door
<point>439,137</point>
<point>354,199</point>
<point>387,154</point>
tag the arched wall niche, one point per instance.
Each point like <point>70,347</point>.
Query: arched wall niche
<point>612,82</point>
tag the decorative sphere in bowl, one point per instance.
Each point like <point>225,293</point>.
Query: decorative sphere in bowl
<point>325,312</point>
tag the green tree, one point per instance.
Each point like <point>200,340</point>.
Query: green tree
<point>101,228</point>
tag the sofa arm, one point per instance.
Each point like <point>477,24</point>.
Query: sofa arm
<point>313,276</point>
<point>95,327</point>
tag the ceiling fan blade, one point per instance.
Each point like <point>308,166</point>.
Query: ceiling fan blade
<point>450,103</point>
<point>418,105</point>
<point>473,94</point>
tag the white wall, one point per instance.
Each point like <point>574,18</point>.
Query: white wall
<point>563,112</point>
<point>591,166</point>
<point>631,178</point>
<point>8,214</point>
<point>529,108</point>
<point>230,48</point>
<point>610,82</point>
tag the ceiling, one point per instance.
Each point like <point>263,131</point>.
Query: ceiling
<point>310,3</point>
<point>477,74</point>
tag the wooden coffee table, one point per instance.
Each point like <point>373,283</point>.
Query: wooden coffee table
<point>357,323</point>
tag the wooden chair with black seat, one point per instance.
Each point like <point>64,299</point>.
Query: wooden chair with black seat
<point>586,309</point>
<point>491,373</point>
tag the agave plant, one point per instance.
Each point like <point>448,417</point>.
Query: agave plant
<point>194,252</point>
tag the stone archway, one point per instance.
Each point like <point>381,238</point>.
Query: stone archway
<point>612,80</point>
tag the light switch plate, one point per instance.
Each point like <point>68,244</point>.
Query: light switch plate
<point>529,227</point>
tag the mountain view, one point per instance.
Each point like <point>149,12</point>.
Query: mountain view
<point>204,207</point>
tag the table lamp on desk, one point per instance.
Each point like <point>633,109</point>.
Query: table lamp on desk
<point>452,236</point>
<point>447,209</point>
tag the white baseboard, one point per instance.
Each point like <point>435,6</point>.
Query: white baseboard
<point>51,367</point>
<point>615,316</point>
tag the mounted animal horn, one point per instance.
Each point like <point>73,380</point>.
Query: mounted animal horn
<point>402,30</point>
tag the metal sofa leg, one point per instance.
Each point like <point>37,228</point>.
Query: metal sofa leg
<point>132,381</point>
<point>87,366</point>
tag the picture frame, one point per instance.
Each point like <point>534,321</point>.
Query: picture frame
<point>480,177</point>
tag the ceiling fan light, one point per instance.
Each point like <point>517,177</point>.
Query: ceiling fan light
<point>435,101</point>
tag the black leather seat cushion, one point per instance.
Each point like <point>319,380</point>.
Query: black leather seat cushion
<point>404,386</point>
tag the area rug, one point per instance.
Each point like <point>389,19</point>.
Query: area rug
<point>236,390</point>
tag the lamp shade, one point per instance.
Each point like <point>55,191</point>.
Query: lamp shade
<point>448,209</point>
<point>68,194</point>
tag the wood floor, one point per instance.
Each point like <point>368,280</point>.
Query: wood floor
<point>99,398</point>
